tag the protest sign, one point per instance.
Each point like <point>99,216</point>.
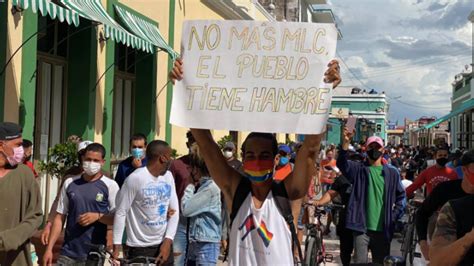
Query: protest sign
<point>254,76</point>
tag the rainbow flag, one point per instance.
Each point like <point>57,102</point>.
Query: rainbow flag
<point>248,224</point>
<point>265,234</point>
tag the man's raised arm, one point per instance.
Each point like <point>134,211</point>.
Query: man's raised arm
<point>298,182</point>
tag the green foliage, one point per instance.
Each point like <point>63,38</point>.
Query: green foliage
<point>224,140</point>
<point>61,157</point>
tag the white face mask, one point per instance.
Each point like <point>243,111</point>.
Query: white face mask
<point>228,154</point>
<point>91,168</point>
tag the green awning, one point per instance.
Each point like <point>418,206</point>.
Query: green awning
<point>145,30</point>
<point>93,10</point>
<point>47,8</point>
<point>464,106</point>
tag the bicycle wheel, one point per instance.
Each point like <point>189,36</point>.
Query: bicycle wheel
<point>412,246</point>
<point>310,252</point>
<point>407,241</point>
<point>319,250</point>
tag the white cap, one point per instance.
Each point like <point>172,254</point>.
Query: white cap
<point>83,144</point>
<point>393,150</point>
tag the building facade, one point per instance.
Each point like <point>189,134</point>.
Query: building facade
<point>461,117</point>
<point>97,69</point>
<point>371,110</point>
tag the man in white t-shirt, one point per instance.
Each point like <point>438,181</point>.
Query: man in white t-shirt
<point>259,234</point>
<point>142,208</point>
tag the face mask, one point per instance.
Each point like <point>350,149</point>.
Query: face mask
<point>442,161</point>
<point>329,158</point>
<point>228,154</point>
<point>259,171</point>
<point>284,161</point>
<point>91,168</point>
<point>374,154</point>
<point>137,153</point>
<point>17,157</point>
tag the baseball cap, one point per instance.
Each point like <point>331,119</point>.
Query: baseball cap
<point>284,148</point>
<point>229,145</point>
<point>9,131</point>
<point>375,139</point>
<point>82,145</point>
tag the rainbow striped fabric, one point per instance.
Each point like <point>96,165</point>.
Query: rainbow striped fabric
<point>259,170</point>
<point>265,234</point>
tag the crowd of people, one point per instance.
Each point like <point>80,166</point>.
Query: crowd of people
<point>190,210</point>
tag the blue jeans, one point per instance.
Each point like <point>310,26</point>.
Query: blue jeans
<point>180,245</point>
<point>203,253</point>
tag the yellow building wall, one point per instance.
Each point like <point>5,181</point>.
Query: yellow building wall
<point>100,90</point>
<point>193,9</point>
<point>184,10</point>
<point>13,71</point>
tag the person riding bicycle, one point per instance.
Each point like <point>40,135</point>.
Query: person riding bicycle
<point>433,175</point>
<point>443,193</point>
<point>376,200</point>
<point>341,188</point>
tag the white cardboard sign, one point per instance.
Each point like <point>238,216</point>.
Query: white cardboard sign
<point>254,76</point>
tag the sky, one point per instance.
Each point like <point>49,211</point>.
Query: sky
<point>411,49</point>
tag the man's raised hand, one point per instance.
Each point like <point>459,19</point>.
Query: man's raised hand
<point>332,74</point>
<point>177,71</point>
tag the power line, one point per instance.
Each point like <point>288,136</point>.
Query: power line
<point>421,61</point>
<point>366,86</point>
<point>395,71</point>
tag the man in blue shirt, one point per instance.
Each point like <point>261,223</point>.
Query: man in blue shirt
<point>137,160</point>
<point>87,201</point>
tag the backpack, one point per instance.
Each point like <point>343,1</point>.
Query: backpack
<point>281,200</point>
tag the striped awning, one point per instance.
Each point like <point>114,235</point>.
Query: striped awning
<point>47,8</point>
<point>145,30</point>
<point>93,10</point>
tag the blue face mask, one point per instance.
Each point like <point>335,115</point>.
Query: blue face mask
<point>284,160</point>
<point>137,153</point>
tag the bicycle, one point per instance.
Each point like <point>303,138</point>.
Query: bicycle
<point>410,237</point>
<point>100,253</point>
<point>315,252</point>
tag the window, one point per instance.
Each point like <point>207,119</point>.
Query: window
<point>122,125</point>
<point>122,120</point>
<point>125,59</point>
<point>53,37</point>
